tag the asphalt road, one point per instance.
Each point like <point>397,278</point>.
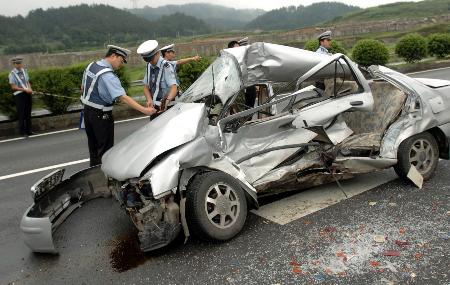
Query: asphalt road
<point>333,245</point>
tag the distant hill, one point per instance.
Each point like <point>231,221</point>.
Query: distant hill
<point>400,10</point>
<point>217,17</point>
<point>302,16</point>
<point>88,26</point>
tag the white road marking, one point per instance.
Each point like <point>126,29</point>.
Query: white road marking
<point>302,204</point>
<point>429,70</point>
<point>43,169</point>
<point>68,130</point>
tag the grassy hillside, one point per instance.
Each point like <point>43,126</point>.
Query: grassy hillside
<point>217,17</point>
<point>301,16</point>
<point>81,26</point>
<point>400,10</point>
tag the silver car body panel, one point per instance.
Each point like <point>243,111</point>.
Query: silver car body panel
<point>171,149</point>
<point>128,158</point>
<point>50,210</point>
<point>423,110</point>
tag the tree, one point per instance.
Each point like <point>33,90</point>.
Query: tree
<point>439,45</point>
<point>368,52</point>
<point>412,47</point>
<point>336,46</point>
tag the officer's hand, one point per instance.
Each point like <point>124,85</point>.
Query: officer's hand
<point>196,58</point>
<point>149,104</point>
<point>149,111</point>
<point>28,90</point>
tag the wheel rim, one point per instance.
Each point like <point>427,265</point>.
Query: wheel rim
<point>421,155</point>
<point>222,205</point>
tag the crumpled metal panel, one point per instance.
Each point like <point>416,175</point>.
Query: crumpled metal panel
<point>263,135</point>
<point>363,164</point>
<point>50,210</point>
<point>418,115</point>
<point>165,174</point>
<point>289,172</point>
<point>222,77</point>
<point>227,165</point>
<point>265,63</point>
<point>179,125</point>
<point>338,131</point>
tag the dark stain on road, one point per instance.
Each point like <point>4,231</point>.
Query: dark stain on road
<point>126,253</point>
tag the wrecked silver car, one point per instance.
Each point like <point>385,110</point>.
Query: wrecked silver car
<point>199,167</point>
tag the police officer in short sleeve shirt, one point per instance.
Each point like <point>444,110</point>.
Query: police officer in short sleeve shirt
<point>21,87</point>
<point>100,89</point>
<point>160,83</point>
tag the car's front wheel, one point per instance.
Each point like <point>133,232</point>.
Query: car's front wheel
<point>216,206</point>
<point>420,150</point>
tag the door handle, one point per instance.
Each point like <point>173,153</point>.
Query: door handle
<point>356,103</point>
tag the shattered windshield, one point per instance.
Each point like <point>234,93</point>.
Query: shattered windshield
<point>226,83</point>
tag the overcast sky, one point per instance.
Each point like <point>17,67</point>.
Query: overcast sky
<point>24,6</point>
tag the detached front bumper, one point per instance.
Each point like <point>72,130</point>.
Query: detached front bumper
<point>54,200</point>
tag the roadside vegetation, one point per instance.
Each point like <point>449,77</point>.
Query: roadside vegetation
<point>58,88</point>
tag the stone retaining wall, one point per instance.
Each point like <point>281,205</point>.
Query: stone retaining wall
<point>61,122</point>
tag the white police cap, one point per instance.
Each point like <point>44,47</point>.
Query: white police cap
<point>167,48</point>
<point>243,42</point>
<point>324,35</point>
<point>148,48</point>
<point>17,59</point>
<point>120,51</point>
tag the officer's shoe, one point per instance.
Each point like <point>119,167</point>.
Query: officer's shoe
<point>133,200</point>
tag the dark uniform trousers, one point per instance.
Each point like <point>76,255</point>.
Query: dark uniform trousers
<point>23,105</point>
<point>99,126</point>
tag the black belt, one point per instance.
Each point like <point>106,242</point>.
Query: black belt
<point>89,108</point>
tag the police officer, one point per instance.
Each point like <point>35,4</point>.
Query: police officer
<point>324,43</point>
<point>21,87</point>
<point>160,83</point>
<point>100,89</point>
<point>168,53</point>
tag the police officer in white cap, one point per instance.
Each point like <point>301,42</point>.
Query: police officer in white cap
<point>160,83</point>
<point>100,89</point>
<point>168,53</point>
<point>21,87</point>
<point>324,43</point>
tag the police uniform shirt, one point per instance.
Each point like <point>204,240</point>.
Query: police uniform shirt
<point>22,74</point>
<point>109,86</point>
<point>174,64</point>
<point>168,78</point>
<point>323,50</point>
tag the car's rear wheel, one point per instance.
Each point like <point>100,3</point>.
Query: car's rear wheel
<point>420,150</point>
<point>216,206</point>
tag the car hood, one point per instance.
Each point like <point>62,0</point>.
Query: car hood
<point>179,125</point>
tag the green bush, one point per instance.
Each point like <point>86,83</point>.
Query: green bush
<point>7,104</point>
<point>412,47</point>
<point>189,72</point>
<point>367,52</point>
<point>439,45</point>
<point>59,82</point>
<point>63,82</point>
<point>336,46</point>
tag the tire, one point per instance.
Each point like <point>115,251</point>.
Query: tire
<point>420,150</point>
<point>211,216</point>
